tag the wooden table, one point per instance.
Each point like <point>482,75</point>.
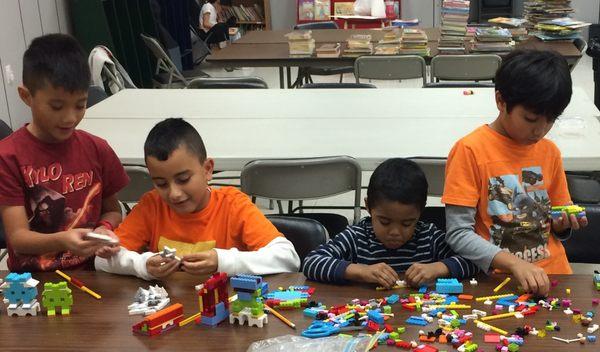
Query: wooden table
<point>370,125</point>
<point>270,49</point>
<point>105,324</point>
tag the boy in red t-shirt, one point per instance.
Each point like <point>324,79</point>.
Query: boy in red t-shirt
<point>58,183</point>
<point>503,178</point>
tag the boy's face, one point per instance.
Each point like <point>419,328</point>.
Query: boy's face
<point>182,180</point>
<point>55,112</point>
<point>394,222</point>
<point>521,125</point>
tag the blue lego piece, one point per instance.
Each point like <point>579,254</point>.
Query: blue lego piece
<point>376,316</point>
<point>245,282</point>
<point>244,296</point>
<point>414,320</point>
<point>591,338</point>
<point>451,299</point>
<point>392,299</point>
<point>448,286</point>
<point>221,313</point>
<point>383,337</point>
<point>312,312</point>
<point>299,288</point>
<point>508,301</point>
<point>423,289</point>
<point>16,288</point>
<point>286,295</point>
<point>435,312</point>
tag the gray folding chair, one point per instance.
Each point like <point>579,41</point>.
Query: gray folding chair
<point>464,67</point>
<point>304,179</point>
<point>581,45</point>
<point>228,83</point>
<point>170,73</point>
<point>435,171</point>
<point>305,234</point>
<point>390,67</point>
<point>337,85</point>
<point>140,182</point>
<point>5,131</point>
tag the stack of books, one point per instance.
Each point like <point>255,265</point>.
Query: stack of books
<point>253,14</point>
<point>358,45</point>
<point>559,29</point>
<point>516,26</point>
<point>329,50</point>
<point>301,43</point>
<point>493,39</point>
<point>536,11</point>
<point>390,44</point>
<point>414,42</point>
<point>455,15</point>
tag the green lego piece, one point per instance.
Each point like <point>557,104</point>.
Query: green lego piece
<point>57,295</point>
<point>513,347</point>
<point>401,330</point>
<point>471,348</point>
<point>387,309</point>
<point>569,209</point>
<point>455,323</point>
<point>394,335</point>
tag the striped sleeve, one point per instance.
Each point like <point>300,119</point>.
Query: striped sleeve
<point>459,267</point>
<point>328,262</point>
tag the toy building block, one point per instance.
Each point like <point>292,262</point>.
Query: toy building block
<point>213,299</point>
<point>168,252</point>
<point>425,348</point>
<point>597,280</point>
<point>473,282</point>
<point>57,295</point>
<point>161,321</point>
<point>249,306</point>
<point>20,292</point>
<point>448,286</point>
<point>414,320</point>
<point>21,310</point>
<point>149,301</point>
<point>569,209</point>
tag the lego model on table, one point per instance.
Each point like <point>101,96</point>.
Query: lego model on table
<point>294,297</point>
<point>213,299</point>
<point>161,321</point>
<point>20,293</point>
<point>448,286</point>
<point>57,295</point>
<point>149,301</point>
<point>248,306</point>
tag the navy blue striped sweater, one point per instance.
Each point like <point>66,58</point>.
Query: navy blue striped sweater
<point>357,244</point>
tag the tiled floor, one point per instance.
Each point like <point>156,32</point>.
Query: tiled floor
<point>582,77</point>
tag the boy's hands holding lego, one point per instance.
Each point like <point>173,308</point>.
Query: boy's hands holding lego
<point>565,221</point>
<point>160,267</point>
<point>531,277</point>
<point>380,273</point>
<point>420,274</point>
<point>200,263</point>
<point>107,251</point>
<point>74,241</point>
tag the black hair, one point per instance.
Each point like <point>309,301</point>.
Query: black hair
<point>56,59</point>
<point>540,81</point>
<point>170,134</point>
<point>398,180</point>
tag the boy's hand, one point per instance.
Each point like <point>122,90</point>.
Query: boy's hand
<point>565,221</point>
<point>420,274</point>
<point>107,251</point>
<point>74,242</point>
<point>531,277</point>
<point>160,267</point>
<point>200,263</point>
<point>380,273</point>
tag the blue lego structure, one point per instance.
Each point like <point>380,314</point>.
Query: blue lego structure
<point>414,320</point>
<point>20,288</point>
<point>448,286</point>
<point>375,315</point>
<point>423,289</point>
<point>392,299</point>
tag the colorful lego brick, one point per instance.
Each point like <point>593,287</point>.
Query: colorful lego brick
<point>491,338</point>
<point>375,316</point>
<point>161,321</point>
<point>576,210</point>
<point>448,286</point>
<point>23,309</point>
<point>414,320</point>
<point>422,289</point>
<point>246,316</point>
<point>220,314</point>
<point>425,348</point>
<point>19,288</point>
<point>57,295</point>
<point>392,299</point>
<point>591,338</point>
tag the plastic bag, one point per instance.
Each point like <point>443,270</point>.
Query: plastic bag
<point>287,343</point>
<point>362,7</point>
<point>378,8</point>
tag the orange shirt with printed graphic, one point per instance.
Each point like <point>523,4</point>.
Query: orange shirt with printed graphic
<point>513,188</point>
<point>230,220</point>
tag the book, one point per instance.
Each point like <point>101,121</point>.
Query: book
<point>322,10</point>
<point>306,10</point>
<point>329,50</point>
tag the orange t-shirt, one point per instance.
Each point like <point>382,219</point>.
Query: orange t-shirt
<point>229,220</point>
<point>513,188</point>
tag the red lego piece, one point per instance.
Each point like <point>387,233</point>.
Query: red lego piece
<point>403,344</point>
<point>310,291</point>
<point>406,306</point>
<point>388,328</point>
<point>160,321</point>
<point>372,326</point>
<point>337,310</point>
<point>491,338</point>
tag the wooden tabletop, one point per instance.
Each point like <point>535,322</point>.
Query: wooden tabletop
<point>105,324</point>
<point>322,35</point>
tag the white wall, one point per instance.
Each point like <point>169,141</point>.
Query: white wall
<point>20,22</point>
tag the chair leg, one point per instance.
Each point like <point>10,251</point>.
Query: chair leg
<point>280,207</point>
<point>3,254</point>
<point>341,78</point>
<point>271,204</point>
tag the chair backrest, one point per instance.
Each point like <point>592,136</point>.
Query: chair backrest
<point>584,187</point>
<point>140,182</point>
<point>228,83</point>
<point>582,246</point>
<point>462,84</point>
<point>464,67</point>
<point>435,215</point>
<point>435,171</point>
<point>5,130</point>
<point>164,62</point>
<point>95,95</point>
<point>390,67</point>
<point>580,44</point>
<point>304,178</point>
<point>305,234</point>
<point>316,25</point>
<point>336,85</point>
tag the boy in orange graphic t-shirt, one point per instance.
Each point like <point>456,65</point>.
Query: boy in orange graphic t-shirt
<point>503,178</point>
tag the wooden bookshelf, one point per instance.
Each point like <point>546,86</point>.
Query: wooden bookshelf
<point>336,7</point>
<point>245,24</point>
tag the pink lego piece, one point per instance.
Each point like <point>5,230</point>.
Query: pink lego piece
<point>491,338</point>
<point>595,301</point>
<point>554,283</point>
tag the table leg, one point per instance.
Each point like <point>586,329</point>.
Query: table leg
<point>281,79</point>
<point>289,76</point>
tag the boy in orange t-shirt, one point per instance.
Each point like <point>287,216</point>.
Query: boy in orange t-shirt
<point>211,229</point>
<point>503,178</point>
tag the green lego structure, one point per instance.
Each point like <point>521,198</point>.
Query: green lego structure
<point>57,295</point>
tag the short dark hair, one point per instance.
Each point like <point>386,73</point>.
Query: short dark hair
<point>540,81</point>
<point>55,59</point>
<point>170,134</point>
<point>398,180</point>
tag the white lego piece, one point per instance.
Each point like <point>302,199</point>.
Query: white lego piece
<point>149,301</point>
<point>245,315</point>
<point>169,252</point>
<point>568,311</point>
<point>100,237</point>
<point>32,308</point>
<point>31,283</point>
<point>592,329</point>
<point>401,284</point>
<point>511,308</point>
<point>473,282</point>
<point>488,302</point>
<point>479,312</point>
<point>519,316</point>
<point>470,316</point>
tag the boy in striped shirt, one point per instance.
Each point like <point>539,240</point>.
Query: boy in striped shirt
<point>392,239</point>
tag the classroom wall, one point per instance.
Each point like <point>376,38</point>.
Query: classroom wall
<point>283,14</point>
<point>20,22</point>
